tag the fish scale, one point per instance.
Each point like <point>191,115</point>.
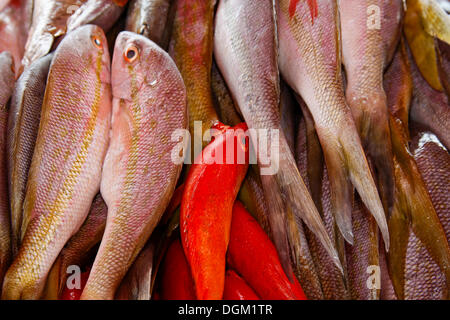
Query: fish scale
<point>191,47</point>
<point>310,64</point>
<point>149,18</point>
<point>246,54</point>
<point>6,89</point>
<point>48,22</point>
<point>367,49</point>
<point>423,278</point>
<point>60,189</point>
<point>143,113</point>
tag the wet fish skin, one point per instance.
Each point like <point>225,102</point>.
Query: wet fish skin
<point>332,280</point>
<point>6,87</point>
<point>251,193</point>
<point>48,22</point>
<point>430,108</point>
<point>66,168</point>
<point>315,162</point>
<point>418,234</point>
<point>79,247</point>
<point>399,83</point>
<point>23,125</point>
<point>290,115</point>
<point>149,18</point>
<point>363,254</point>
<point>191,47</point>
<point>225,107</point>
<point>367,49</point>
<point>78,250</point>
<point>414,222</point>
<point>149,104</point>
<point>443,61</point>
<point>14,29</point>
<point>424,279</point>
<point>103,13</point>
<point>246,54</point>
<point>138,282</point>
<point>310,64</point>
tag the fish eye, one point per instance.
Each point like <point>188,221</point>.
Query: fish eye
<point>97,42</point>
<point>131,54</point>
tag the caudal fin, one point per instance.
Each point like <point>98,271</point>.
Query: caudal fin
<point>314,155</point>
<point>347,163</point>
<point>287,194</point>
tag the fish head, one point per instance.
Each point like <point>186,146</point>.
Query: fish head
<point>137,61</point>
<point>88,45</point>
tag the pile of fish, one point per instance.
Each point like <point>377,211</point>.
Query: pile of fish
<point>106,194</point>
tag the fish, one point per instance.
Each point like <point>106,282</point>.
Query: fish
<point>245,49</point>
<point>7,77</point>
<point>289,112</point>
<point>103,13</point>
<point>424,21</point>
<point>310,63</point>
<point>443,63</point>
<point>424,279</point>
<point>138,282</point>
<point>333,285</point>
<point>416,226</point>
<point>176,277</point>
<point>251,193</point>
<point>191,47</point>
<point>224,104</point>
<point>363,257</point>
<point>23,125</point>
<point>237,288</point>
<point>399,83</point>
<point>79,249</point>
<point>14,29</point>
<point>149,18</point>
<point>65,171</point>
<point>149,104</point>
<point>430,107</point>
<point>306,273</point>
<point>418,236</point>
<point>48,23</point>
<point>370,32</point>
<point>314,155</point>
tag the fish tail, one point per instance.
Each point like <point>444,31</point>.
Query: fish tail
<point>284,191</point>
<point>314,156</point>
<point>16,221</point>
<point>372,120</point>
<point>380,152</point>
<point>340,187</point>
<point>353,159</point>
<point>413,211</point>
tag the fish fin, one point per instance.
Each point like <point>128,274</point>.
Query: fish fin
<point>372,120</point>
<point>54,286</point>
<point>286,188</point>
<point>352,157</point>
<point>443,60</point>
<point>340,187</point>
<point>399,228</point>
<point>415,210</point>
<point>314,156</point>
